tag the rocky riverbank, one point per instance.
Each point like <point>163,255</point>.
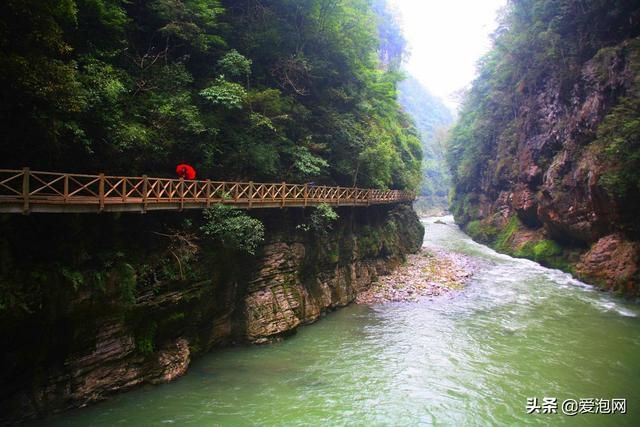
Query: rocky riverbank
<point>430,273</point>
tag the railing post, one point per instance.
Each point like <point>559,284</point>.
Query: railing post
<point>250,193</point>
<point>338,194</point>
<point>156,189</point>
<point>101,191</point>
<point>25,190</point>
<point>306,194</point>
<point>207,193</point>
<point>368,197</point>
<point>284,191</point>
<point>181,193</point>
<point>65,190</point>
<point>124,189</point>
<point>145,191</point>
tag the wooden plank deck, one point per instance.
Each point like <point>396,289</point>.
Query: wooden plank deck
<point>25,191</point>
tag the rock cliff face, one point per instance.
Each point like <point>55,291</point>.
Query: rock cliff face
<point>83,345</point>
<point>552,188</point>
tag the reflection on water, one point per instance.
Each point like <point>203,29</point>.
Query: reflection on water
<point>517,331</point>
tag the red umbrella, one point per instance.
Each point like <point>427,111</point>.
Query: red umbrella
<point>186,171</point>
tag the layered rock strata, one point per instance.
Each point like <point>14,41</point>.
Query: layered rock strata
<point>84,345</point>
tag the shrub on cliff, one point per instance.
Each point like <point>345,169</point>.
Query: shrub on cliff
<point>233,228</point>
<point>321,219</point>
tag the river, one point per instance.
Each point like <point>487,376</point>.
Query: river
<point>518,331</point>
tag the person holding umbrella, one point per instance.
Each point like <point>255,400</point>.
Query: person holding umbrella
<point>186,171</point>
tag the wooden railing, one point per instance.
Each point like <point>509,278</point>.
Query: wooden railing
<point>24,191</point>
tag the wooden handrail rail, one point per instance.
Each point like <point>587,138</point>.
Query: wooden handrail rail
<point>24,190</point>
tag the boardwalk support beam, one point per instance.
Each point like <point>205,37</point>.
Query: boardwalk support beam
<point>306,194</point>
<point>145,192</point>
<point>181,193</point>
<point>208,193</point>
<point>25,190</point>
<point>101,191</point>
<point>284,193</point>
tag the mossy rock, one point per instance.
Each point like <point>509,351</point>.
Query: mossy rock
<point>546,249</point>
<point>503,239</point>
<point>547,253</point>
<point>480,231</point>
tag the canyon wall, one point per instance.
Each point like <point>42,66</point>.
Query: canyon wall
<point>546,155</point>
<point>71,340</point>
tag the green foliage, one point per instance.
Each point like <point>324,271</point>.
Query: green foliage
<point>503,239</point>
<point>307,164</point>
<point>525,251</point>
<point>145,338</point>
<point>74,277</point>
<point>480,231</point>
<point>321,219</point>
<point>541,250</point>
<point>464,208</point>
<point>190,21</point>
<point>234,65</point>
<point>619,134</point>
<point>540,43</point>
<point>233,228</point>
<point>368,242</point>
<point>224,93</point>
<point>136,87</point>
<point>545,249</point>
<point>546,252</point>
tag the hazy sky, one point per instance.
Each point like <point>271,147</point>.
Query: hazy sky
<point>446,38</point>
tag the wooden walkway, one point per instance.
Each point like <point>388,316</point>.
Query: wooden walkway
<point>24,191</point>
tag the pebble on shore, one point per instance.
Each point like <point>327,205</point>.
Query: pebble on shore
<point>429,273</point>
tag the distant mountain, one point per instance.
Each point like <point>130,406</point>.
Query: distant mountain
<point>432,119</point>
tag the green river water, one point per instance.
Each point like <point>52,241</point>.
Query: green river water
<point>517,331</point>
